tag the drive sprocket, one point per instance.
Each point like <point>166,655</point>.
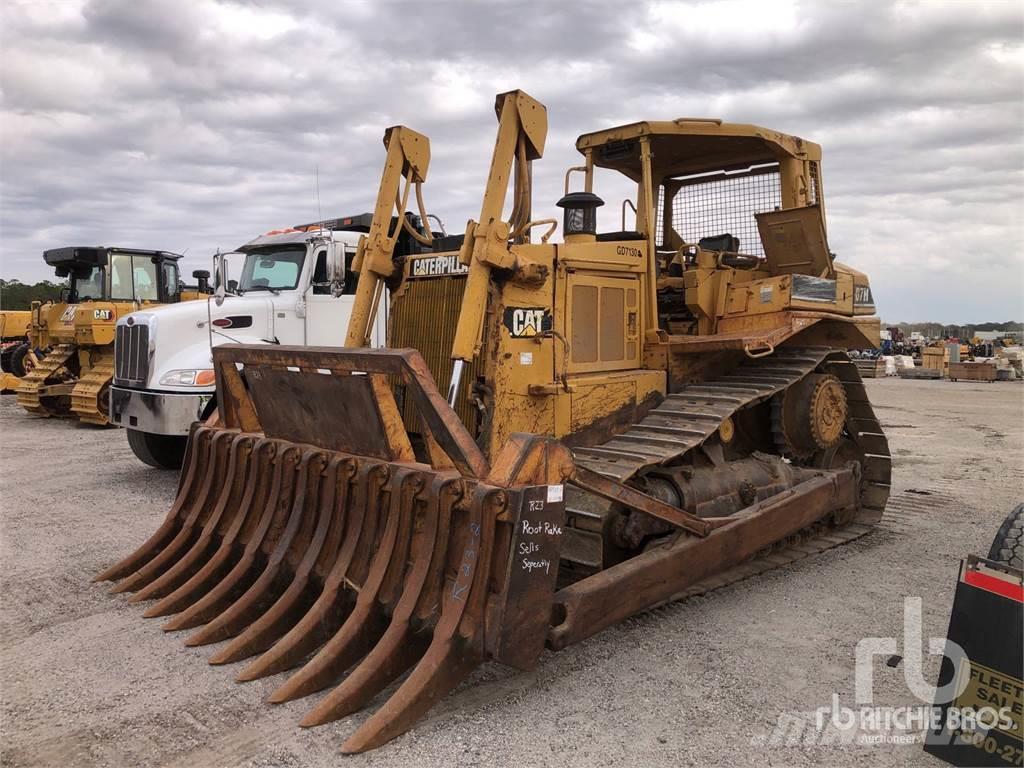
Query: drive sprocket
<point>809,416</point>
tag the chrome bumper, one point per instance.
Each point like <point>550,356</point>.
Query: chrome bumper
<point>157,413</point>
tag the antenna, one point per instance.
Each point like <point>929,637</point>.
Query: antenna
<point>319,213</point>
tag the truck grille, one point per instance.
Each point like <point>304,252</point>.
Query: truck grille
<point>131,353</point>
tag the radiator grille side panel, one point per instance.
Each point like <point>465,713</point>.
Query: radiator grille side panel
<point>424,317</point>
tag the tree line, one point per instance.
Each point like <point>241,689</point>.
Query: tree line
<point>15,294</point>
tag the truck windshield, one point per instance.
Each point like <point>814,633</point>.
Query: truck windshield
<point>272,269</point>
<point>87,285</point>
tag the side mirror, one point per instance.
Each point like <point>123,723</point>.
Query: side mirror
<point>331,263</point>
<point>336,268</point>
<point>220,269</point>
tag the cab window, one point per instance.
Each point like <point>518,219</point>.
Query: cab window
<point>321,285</point>
<point>351,277</point>
<point>87,285</point>
<point>133,278</point>
<point>170,270</point>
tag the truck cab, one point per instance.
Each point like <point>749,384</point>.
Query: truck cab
<point>287,286</point>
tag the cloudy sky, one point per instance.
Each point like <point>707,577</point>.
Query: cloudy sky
<point>196,125</point>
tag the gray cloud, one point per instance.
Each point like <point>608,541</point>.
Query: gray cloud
<point>198,125</point>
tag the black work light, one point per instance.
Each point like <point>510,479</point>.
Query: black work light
<point>580,213</point>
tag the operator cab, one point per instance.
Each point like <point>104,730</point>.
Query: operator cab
<point>705,184</point>
<point>719,198</point>
<point>97,273</point>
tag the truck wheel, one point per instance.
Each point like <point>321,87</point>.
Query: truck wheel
<point>19,366</point>
<point>1008,545</point>
<point>160,451</point>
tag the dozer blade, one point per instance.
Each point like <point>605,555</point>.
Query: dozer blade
<point>307,531</point>
<point>50,369</point>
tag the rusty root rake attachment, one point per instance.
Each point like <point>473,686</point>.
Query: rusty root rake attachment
<point>305,532</point>
<point>307,535</point>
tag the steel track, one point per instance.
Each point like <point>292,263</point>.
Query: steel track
<point>86,397</point>
<point>686,419</point>
<point>28,390</point>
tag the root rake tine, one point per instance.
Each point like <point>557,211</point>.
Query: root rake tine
<point>289,609</point>
<point>268,585</point>
<point>398,648</point>
<point>394,655</point>
<point>248,568</point>
<point>335,602</point>
<point>440,670</point>
<point>457,646</point>
<point>263,632</point>
<point>169,527</point>
<point>252,528</point>
<point>193,559</point>
<point>367,621</point>
<point>186,536</point>
<point>258,470</point>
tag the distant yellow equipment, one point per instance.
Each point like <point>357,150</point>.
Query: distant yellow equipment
<point>103,284</point>
<point>14,347</point>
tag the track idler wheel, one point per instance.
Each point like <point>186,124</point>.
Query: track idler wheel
<point>810,416</point>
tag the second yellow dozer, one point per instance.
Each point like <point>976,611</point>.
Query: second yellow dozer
<point>16,358</point>
<point>73,379</point>
<point>632,417</point>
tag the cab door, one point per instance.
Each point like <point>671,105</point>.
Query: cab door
<point>327,315</point>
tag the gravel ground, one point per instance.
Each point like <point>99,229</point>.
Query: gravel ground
<point>84,680</point>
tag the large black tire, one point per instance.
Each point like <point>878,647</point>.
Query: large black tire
<point>17,365</point>
<point>1008,545</point>
<point>160,451</point>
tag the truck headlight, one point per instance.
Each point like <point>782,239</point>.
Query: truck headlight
<point>203,377</point>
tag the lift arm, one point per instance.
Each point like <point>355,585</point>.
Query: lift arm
<point>408,156</point>
<point>522,130</point>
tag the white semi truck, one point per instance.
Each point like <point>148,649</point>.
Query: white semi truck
<point>295,286</point>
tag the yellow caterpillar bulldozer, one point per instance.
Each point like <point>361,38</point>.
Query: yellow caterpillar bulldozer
<point>631,417</point>
<point>16,357</point>
<point>73,379</point>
